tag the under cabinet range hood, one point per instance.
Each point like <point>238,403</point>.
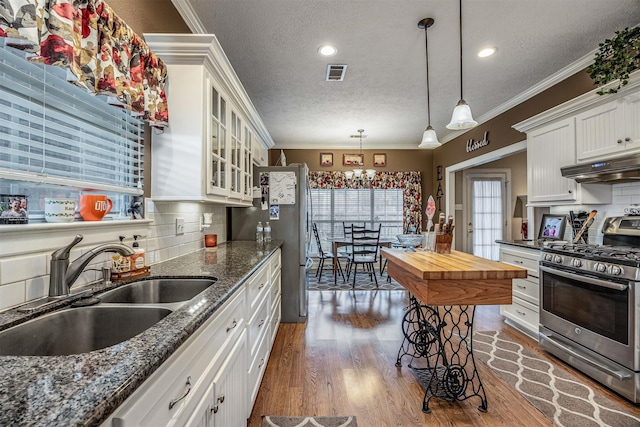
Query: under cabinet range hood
<point>613,171</point>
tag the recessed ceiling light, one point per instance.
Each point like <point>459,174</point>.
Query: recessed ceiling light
<point>327,50</point>
<point>487,52</point>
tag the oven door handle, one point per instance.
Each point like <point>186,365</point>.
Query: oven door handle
<point>621,376</point>
<point>589,280</point>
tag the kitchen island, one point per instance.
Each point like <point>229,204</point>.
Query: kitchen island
<point>84,389</point>
<point>438,326</point>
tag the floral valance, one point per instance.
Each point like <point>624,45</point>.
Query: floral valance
<point>102,53</point>
<point>409,182</point>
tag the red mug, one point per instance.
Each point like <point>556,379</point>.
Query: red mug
<point>93,207</point>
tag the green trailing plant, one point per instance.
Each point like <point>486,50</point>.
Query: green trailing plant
<point>616,59</point>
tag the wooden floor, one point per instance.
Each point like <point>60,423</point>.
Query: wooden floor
<point>342,362</point>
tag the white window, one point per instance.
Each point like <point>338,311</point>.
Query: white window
<point>57,140</point>
<point>371,207</point>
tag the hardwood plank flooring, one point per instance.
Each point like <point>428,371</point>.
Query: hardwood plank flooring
<point>342,362</point>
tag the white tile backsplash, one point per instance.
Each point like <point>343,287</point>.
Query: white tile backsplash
<point>24,271</point>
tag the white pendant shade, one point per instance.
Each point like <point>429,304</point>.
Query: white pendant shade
<point>357,173</point>
<point>429,139</point>
<point>461,118</point>
<point>348,174</point>
<point>370,173</point>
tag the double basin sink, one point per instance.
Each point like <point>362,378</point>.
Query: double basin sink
<point>121,314</point>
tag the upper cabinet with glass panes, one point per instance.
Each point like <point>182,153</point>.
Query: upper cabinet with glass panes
<point>207,151</point>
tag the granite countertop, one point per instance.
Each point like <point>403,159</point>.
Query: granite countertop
<point>531,244</point>
<point>84,389</point>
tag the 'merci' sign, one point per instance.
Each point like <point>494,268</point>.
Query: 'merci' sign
<point>474,145</point>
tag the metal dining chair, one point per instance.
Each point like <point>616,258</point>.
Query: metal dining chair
<point>364,251</point>
<point>322,256</point>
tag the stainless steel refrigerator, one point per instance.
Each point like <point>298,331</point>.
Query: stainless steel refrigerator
<point>292,226</point>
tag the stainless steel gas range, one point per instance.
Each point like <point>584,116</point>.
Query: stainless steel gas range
<point>590,305</point>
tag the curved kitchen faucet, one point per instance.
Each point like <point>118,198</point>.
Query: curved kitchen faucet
<point>64,274</point>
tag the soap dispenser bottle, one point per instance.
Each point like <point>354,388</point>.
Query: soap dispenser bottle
<point>137,259</point>
<point>120,263</point>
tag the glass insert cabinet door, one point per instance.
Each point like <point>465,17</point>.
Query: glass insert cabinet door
<point>247,169</point>
<point>236,155</point>
<point>217,183</point>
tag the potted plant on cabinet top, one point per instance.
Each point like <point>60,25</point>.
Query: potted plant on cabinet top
<point>616,59</point>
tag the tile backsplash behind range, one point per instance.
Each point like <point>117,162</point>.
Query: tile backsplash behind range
<point>623,196</point>
<point>24,257</point>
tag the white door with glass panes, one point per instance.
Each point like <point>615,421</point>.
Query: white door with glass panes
<point>217,172</point>
<point>486,215</point>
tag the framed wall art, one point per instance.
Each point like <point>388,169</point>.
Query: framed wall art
<point>353,159</point>
<point>326,159</point>
<point>379,159</point>
<point>552,227</point>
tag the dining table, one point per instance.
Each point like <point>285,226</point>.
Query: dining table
<point>338,242</point>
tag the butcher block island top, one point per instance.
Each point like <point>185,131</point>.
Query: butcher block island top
<point>457,278</point>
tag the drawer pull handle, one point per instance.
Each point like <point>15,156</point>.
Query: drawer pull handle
<point>214,409</point>
<point>521,287</point>
<point>261,323</point>
<point>521,313</point>
<point>221,398</point>
<point>174,401</point>
<point>517,261</point>
<point>262,285</point>
<point>261,363</point>
<point>235,323</point>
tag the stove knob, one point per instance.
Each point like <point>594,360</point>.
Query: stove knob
<point>557,259</point>
<point>615,270</point>
<point>577,263</point>
<point>548,257</point>
<point>599,267</point>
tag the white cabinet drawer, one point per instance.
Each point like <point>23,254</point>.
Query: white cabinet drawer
<point>257,285</point>
<point>275,262</point>
<point>527,289</point>
<point>258,325</point>
<point>524,314</point>
<point>275,289</point>
<point>521,259</point>
<point>256,371</point>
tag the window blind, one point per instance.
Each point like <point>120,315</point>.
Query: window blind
<point>54,132</point>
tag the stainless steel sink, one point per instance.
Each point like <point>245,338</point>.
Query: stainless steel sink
<point>157,291</point>
<point>78,330</point>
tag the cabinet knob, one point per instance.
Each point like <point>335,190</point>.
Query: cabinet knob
<point>214,409</point>
<point>627,139</point>
<point>221,398</point>
<point>570,191</point>
<point>619,141</point>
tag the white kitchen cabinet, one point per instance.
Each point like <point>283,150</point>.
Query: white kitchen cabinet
<point>609,130</point>
<point>549,148</point>
<point>206,152</point>
<point>523,312</point>
<point>175,392</point>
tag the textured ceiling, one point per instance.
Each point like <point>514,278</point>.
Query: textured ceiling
<point>272,45</point>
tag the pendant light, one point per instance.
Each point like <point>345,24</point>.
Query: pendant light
<point>429,138</point>
<point>461,118</point>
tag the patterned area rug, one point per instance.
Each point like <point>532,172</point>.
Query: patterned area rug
<point>346,421</point>
<point>554,391</point>
<point>363,283</point>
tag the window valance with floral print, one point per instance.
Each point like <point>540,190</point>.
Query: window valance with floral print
<point>409,182</point>
<point>102,53</point>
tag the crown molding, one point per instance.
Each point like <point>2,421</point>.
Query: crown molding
<point>189,16</point>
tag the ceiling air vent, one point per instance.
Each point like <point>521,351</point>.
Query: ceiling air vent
<point>335,72</point>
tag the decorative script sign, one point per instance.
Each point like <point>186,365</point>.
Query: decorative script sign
<point>474,145</point>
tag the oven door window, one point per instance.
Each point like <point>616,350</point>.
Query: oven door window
<point>602,310</point>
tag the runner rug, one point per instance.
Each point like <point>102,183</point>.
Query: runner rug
<point>341,421</point>
<point>554,391</point>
